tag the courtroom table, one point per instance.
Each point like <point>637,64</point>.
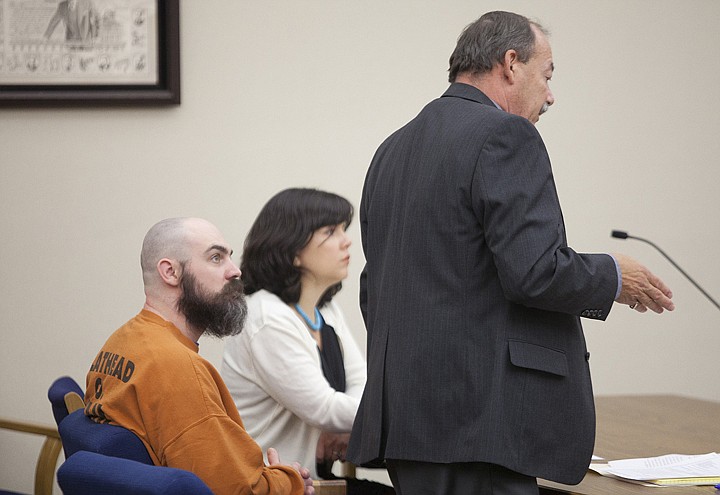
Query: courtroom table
<point>647,426</point>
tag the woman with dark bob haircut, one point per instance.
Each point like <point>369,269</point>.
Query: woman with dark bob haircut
<point>295,371</point>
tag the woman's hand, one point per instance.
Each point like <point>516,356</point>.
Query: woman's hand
<point>332,447</point>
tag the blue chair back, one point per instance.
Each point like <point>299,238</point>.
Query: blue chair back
<point>56,394</point>
<point>88,473</point>
<point>78,432</point>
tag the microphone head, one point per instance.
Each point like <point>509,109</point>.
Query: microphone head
<point>619,234</point>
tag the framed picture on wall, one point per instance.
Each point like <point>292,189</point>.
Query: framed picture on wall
<point>89,52</point>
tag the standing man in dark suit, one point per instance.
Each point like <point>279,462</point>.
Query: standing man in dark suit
<point>478,375</point>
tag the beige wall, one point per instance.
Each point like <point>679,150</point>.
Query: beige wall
<point>300,93</point>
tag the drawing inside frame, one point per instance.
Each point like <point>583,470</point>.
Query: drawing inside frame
<point>91,50</point>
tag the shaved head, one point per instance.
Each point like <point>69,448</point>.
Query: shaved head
<point>166,239</point>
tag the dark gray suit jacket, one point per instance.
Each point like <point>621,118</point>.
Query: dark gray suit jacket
<point>472,298</point>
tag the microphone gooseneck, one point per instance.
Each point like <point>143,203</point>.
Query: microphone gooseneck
<point>620,234</point>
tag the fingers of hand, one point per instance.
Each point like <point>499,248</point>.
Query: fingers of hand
<point>654,306</point>
<point>658,304</point>
<point>659,285</point>
<point>273,457</point>
<point>664,302</point>
<point>638,307</point>
<point>657,299</point>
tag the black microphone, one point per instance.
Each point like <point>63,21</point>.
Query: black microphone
<point>620,234</point>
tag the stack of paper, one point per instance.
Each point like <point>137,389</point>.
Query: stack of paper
<point>671,469</point>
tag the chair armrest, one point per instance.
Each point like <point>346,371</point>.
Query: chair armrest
<point>73,402</point>
<point>49,453</point>
<point>28,427</point>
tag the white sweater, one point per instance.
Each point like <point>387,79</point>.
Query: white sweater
<point>272,369</point>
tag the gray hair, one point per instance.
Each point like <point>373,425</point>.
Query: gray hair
<point>483,43</point>
<point>165,239</point>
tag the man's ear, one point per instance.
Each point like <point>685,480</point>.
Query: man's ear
<point>170,271</point>
<point>509,65</point>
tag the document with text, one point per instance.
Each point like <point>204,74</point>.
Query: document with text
<point>675,469</point>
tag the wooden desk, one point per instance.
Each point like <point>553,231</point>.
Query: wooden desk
<point>647,426</point>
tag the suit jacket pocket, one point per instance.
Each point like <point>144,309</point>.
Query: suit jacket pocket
<point>537,357</point>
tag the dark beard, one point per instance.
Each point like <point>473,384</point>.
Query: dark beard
<point>218,315</point>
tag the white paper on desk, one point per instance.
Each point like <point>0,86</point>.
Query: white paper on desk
<point>667,466</point>
<point>604,470</point>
